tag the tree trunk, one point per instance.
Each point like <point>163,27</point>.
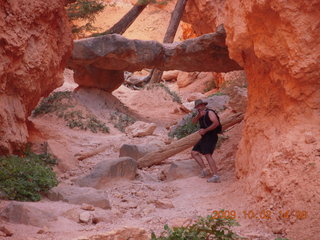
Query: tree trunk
<point>96,151</point>
<point>170,34</point>
<point>182,144</point>
<point>126,21</point>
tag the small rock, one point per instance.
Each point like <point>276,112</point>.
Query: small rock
<point>85,217</point>
<point>309,138</point>
<point>87,207</point>
<point>43,230</point>
<point>7,232</point>
<point>277,229</point>
<point>164,204</point>
<point>148,209</point>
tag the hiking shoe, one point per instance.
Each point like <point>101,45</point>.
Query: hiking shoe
<point>204,173</point>
<point>214,179</point>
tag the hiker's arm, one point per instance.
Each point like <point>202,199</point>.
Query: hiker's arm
<point>215,123</point>
<point>197,117</point>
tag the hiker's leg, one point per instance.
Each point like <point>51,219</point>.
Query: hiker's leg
<point>212,164</point>
<point>197,156</point>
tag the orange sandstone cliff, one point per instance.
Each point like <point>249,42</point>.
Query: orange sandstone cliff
<point>35,42</point>
<point>278,44</point>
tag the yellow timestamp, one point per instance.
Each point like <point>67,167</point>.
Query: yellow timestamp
<point>259,215</point>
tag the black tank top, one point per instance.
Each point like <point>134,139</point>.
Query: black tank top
<point>205,121</point>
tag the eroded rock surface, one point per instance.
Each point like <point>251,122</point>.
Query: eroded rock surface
<point>278,47</point>
<point>24,213</point>
<point>138,151</point>
<point>109,170</point>
<point>80,195</point>
<point>35,42</point>
<point>182,169</point>
<point>99,55</point>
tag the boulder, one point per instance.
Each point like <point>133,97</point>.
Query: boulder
<point>185,78</point>
<point>182,169</point>
<point>217,102</point>
<point>170,75</point>
<point>108,171</point>
<point>62,152</point>
<point>92,76</point>
<point>138,151</point>
<point>25,213</point>
<point>140,129</point>
<point>80,195</point>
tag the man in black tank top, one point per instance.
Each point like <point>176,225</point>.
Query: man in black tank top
<point>209,128</point>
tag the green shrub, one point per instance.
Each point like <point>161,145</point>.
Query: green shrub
<point>186,128</point>
<point>121,120</point>
<point>25,178</point>
<point>61,103</point>
<point>86,11</point>
<point>207,228</point>
<point>209,86</point>
<point>53,103</point>
<point>75,119</point>
<point>217,94</point>
<point>174,95</point>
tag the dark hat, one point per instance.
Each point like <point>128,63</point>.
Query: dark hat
<point>199,102</point>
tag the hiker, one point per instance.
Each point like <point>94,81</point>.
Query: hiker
<point>209,128</point>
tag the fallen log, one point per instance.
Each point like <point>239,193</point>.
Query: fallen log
<point>169,150</point>
<point>96,151</point>
<point>175,147</point>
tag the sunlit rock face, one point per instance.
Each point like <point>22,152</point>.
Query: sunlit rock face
<point>204,15</point>
<point>35,42</point>
<point>278,45</point>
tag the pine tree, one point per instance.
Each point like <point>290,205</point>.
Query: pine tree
<point>83,10</point>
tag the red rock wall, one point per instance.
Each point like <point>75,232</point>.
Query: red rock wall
<point>204,15</point>
<point>35,42</point>
<point>278,44</point>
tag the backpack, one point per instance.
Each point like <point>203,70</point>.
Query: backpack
<point>219,128</point>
